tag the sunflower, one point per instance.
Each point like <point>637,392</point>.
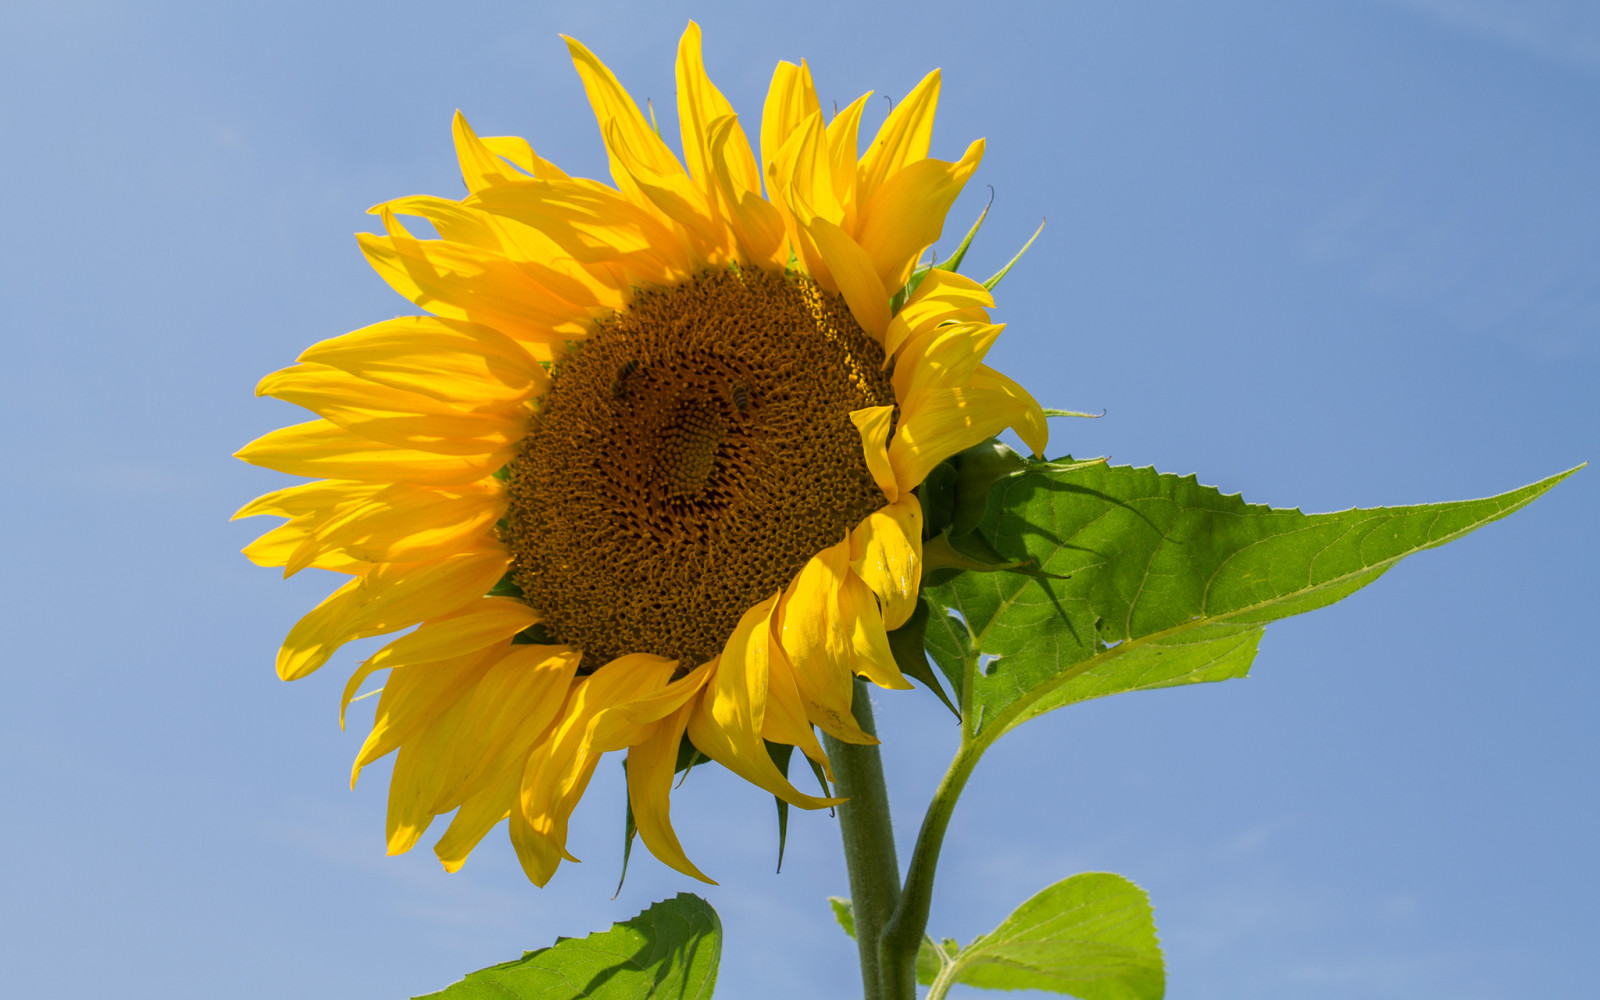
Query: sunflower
<point>643,472</point>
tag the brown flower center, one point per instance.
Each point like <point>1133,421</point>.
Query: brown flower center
<point>690,456</point>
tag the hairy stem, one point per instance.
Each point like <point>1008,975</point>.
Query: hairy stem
<point>869,855</point>
<point>903,935</point>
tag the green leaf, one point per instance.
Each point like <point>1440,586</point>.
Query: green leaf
<point>1091,936</point>
<point>1143,580</point>
<point>669,950</point>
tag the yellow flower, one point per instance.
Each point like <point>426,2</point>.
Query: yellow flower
<point>644,471</point>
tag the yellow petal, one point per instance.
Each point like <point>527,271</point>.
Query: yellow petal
<point>305,498</point>
<point>324,450</point>
<point>559,770</point>
<point>803,174</point>
<point>458,281</point>
<point>467,365</point>
<point>791,100</point>
<point>650,767</point>
<point>595,226</point>
<point>861,619</point>
<point>406,523</point>
<point>699,104</point>
<point>785,720</point>
<point>394,416</point>
<point>483,161</point>
<point>942,356</point>
<point>727,720</point>
<point>853,274</point>
<point>710,739</point>
<point>391,597</point>
<point>873,423</point>
<point>1030,424</point>
<point>943,296</point>
<point>886,552</point>
<point>937,423</point>
<point>279,547</point>
<point>819,647</point>
<point>903,138</point>
<point>415,696</point>
<point>481,624</point>
<point>461,751</point>
<point>476,817</point>
<point>675,196</point>
<point>612,104</point>
<point>757,224</point>
<point>844,137</point>
<point>906,215</point>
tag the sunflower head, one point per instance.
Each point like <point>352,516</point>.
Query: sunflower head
<point>642,472</point>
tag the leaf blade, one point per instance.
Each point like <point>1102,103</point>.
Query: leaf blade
<point>1092,936</point>
<point>671,949</point>
<point>1148,580</point>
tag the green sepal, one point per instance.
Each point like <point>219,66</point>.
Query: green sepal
<point>534,635</point>
<point>780,754</point>
<point>941,555</point>
<point>630,829</point>
<point>995,278</point>
<point>977,470</point>
<point>507,587</point>
<point>908,645</point>
<point>937,494</point>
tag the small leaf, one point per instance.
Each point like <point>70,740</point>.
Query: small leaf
<point>1144,580</point>
<point>1091,936</point>
<point>670,950</point>
<point>845,914</point>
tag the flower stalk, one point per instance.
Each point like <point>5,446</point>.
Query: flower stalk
<point>869,855</point>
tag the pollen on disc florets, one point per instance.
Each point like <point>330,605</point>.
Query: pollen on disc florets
<point>690,456</point>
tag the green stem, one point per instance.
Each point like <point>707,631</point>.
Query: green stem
<point>869,855</point>
<point>903,935</point>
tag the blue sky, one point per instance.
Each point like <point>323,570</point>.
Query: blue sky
<point>1325,254</point>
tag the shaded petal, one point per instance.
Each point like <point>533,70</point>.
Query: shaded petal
<point>886,552</point>
<point>873,423</point>
<point>727,720</point>
<point>853,274</point>
<point>819,640</point>
<point>651,765</point>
